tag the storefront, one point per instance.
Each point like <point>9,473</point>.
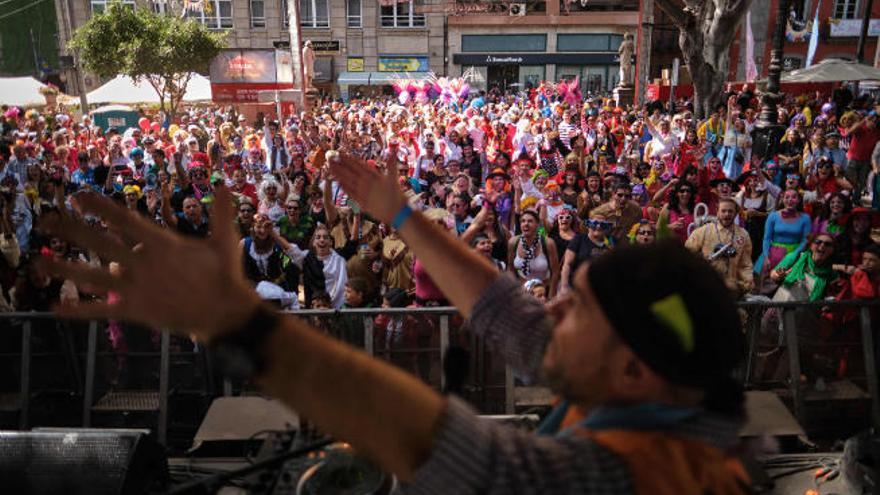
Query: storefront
<point>239,76</point>
<point>521,61</point>
<point>358,83</point>
<point>598,71</point>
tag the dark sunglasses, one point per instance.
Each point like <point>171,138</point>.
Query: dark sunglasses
<point>823,243</point>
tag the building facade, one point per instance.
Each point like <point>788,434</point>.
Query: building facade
<point>358,43</point>
<point>520,44</point>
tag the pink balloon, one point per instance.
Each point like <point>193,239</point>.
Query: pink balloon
<point>155,127</point>
<point>144,124</point>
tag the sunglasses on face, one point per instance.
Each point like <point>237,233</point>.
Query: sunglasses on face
<point>645,232</point>
<point>622,195</point>
<point>823,243</point>
<point>599,225</point>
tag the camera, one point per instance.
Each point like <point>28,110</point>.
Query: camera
<point>723,251</point>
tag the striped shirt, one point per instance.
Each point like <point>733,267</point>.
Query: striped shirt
<point>473,455</point>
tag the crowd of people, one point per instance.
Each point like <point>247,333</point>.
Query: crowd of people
<point>535,184</point>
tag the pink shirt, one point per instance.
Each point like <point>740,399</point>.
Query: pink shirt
<point>425,287</point>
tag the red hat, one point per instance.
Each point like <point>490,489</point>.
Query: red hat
<point>874,215</point>
<point>200,157</point>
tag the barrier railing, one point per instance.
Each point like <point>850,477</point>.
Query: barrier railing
<point>417,339</point>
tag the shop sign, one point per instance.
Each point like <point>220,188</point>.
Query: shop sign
<point>325,46</point>
<point>607,58</point>
<point>355,64</point>
<point>403,64</point>
<point>242,92</point>
<point>457,8</point>
<point>852,28</point>
<point>244,66</point>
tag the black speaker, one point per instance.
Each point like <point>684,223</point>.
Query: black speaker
<point>73,461</point>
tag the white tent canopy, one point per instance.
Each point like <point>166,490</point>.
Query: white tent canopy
<point>21,91</point>
<point>833,70</point>
<point>122,89</point>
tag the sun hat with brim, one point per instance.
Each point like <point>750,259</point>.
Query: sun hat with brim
<point>751,174</point>
<point>873,214</point>
<point>724,180</point>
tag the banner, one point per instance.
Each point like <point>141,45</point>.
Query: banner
<point>852,28</point>
<point>814,37</point>
<point>751,68</point>
<point>244,66</point>
<point>403,64</point>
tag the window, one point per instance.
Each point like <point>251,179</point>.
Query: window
<point>314,13</point>
<point>845,9</point>
<point>217,14</point>
<point>98,6</point>
<point>401,15</point>
<point>503,42</point>
<point>258,14</point>
<point>353,11</point>
<point>588,42</point>
<point>285,15</point>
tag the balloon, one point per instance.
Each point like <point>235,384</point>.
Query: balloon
<point>155,127</point>
<point>144,124</point>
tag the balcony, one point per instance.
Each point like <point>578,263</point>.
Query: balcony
<point>574,7</point>
<point>542,12</point>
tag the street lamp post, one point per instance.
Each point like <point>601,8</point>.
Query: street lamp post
<point>768,132</point>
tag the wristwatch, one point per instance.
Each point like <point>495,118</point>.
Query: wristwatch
<point>241,354</point>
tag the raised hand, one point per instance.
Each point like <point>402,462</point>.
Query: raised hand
<point>168,281</point>
<point>377,193</point>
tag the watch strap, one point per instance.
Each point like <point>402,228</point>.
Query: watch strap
<point>241,354</point>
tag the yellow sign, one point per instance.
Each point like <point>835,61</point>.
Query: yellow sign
<point>355,64</point>
<point>403,64</point>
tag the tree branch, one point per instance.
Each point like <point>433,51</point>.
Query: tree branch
<point>674,11</point>
<point>736,8</point>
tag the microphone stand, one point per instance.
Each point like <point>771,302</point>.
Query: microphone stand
<point>211,484</point>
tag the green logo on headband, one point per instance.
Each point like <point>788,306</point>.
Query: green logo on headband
<point>672,312</point>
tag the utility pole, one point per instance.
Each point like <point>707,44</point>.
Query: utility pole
<point>643,52</point>
<point>768,131</point>
<point>77,68</point>
<point>296,46</point>
<point>866,21</point>
<point>36,57</point>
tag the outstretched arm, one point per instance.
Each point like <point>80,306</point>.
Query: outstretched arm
<point>461,273</point>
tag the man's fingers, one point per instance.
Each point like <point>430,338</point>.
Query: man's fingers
<point>222,221</point>
<point>131,225</point>
<point>81,274</point>
<point>80,234</point>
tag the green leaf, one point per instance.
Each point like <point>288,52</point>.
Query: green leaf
<point>138,42</point>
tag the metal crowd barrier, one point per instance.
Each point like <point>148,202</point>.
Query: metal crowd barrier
<point>441,323</point>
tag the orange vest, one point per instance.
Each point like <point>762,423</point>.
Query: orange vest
<point>662,463</point>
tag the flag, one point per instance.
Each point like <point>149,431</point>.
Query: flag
<point>814,36</point>
<point>751,69</point>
